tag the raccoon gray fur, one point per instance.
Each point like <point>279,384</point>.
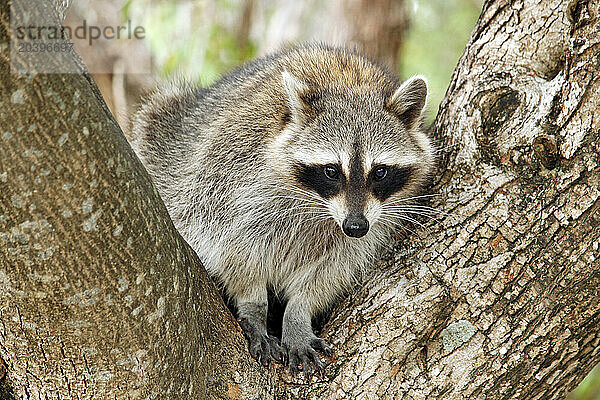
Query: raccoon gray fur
<point>287,174</point>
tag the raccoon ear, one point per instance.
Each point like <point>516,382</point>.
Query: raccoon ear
<point>409,99</point>
<point>298,97</point>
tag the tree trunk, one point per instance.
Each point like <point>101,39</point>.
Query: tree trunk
<point>499,299</point>
<point>375,27</point>
<point>100,297</point>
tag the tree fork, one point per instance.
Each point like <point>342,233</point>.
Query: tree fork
<point>499,298</point>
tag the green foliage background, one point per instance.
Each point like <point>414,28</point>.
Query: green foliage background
<point>589,389</point>
<point>436,40</point>
<point>197,37</point>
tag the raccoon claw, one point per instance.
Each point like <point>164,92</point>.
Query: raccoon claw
<point>277,352</point>
<point>265,348</point>
<point>322,346</point>
<point>262,347</point>
<point>308,358</point>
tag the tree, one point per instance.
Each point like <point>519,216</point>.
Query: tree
<point>499,299</point>
<point>375,27</point>
<point>100,297</point>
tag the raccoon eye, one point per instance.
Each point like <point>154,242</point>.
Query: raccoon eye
<point>331,172</point>
<point>379,173</point>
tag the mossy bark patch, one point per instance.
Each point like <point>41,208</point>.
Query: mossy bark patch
<point>457,333</point>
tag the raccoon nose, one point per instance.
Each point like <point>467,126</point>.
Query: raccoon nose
<point>355,225</point>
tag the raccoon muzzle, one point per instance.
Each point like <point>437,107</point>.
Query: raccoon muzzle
<point>355,225</point>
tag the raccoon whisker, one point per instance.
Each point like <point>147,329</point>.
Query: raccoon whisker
<point>311,212</point>
<point>301,206</point>
<point>412,207</point>
<point>295,200</point>
<point>409,230</point>
<point>310,208</point>
<point>432,214</point>
<point>291,211</point>
<point>285,210</point>
<point>390,223</point>
<point>409,219</point>
<point>319,218</point>
<point>426,208</point>
<point>301,194</point>
<point>383,217</point>
<point>395,224</point>
<point>292,206</point>
<point>419,206</point>
<point>415,221</point>
<point>307,209</point>
<point>417,213</point>
<point>297,190</point>
<point>414,198</point>
<point>315,218</point>
<point>301,199</point>
<point>423,211</point>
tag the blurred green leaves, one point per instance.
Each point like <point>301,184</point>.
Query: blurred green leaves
<point>589,389</point>
<point>196,38</point>
<point>435,41</point>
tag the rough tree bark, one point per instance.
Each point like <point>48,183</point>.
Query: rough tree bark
<point>501,299</point>
<point>498,300</point>
<point>99,295</point>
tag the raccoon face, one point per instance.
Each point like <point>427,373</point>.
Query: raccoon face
<point>350,197</point>
<point>355,158</point>
<point>354,196</point>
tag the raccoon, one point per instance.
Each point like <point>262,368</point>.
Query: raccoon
<point>287,175</point>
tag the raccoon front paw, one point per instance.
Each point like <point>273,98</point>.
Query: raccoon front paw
<point>263,347</point>
<point>305,355</point>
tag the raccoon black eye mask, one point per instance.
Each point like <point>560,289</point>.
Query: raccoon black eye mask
<point>394,180</point>
<point>321,144</point>
<point>326,180</point>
